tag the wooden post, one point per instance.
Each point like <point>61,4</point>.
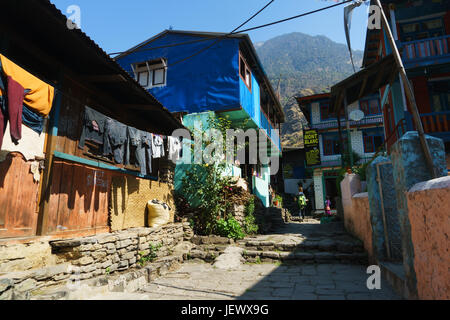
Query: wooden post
<point>409,93</point>
<point>349,138</point>
<point>52,136</point>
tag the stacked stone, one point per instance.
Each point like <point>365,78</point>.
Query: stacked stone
<point>239,213</point>
<point>89,257</point>
<point>17,285</point>
<point>188,232</point>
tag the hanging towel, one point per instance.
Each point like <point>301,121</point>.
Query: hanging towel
<point>158,146</point>
<point>16,94</point>
<point>174,148</point>
<point>40,97</point>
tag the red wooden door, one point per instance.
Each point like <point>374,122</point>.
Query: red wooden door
<point>79,199</point>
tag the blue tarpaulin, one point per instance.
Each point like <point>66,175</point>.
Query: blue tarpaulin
<point>206,81</point>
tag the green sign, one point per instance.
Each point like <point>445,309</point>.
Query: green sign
<point>312,150</point>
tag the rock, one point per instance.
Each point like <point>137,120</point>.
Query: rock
<point>85,261</point>
<point>6,295</point>
<point>98,255</point>
<point>271,254</point>
<point>5,284</point>
<point>322,256</point>
<point>251,253</point>
<point>25,286</point>
<point>230,259</point>
<point>128,256</point>
<point>303,255</point>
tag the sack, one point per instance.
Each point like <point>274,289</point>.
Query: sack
<point>158,213</point>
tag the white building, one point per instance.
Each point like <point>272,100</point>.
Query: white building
<point>366,136</point>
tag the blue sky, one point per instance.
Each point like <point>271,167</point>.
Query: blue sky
<point>117,25</point>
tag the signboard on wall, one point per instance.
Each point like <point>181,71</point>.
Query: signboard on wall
<point>312,150</point>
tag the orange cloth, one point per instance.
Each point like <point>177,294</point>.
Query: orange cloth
<point>40,98</point>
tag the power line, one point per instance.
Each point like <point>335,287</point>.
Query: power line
<point>223,37</point>
<point>237,32</point>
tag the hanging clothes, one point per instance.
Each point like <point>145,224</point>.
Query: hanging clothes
<point>32,120</point>
<point>115,139</point>
<point>16,94</point>
<point>93,127</point>
<point>158,146</point>
<point>40,97</point>
<point>174,146</point>
<point>141,142</point>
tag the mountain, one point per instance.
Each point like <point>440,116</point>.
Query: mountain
<point>303,65</point>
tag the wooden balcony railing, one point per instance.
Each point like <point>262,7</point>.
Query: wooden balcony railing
<point>436,122</point>
<point>426,48</point>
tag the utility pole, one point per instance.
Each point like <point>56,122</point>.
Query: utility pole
<point>409,92</point>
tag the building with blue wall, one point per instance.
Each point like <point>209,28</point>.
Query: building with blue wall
<point>191,73</point>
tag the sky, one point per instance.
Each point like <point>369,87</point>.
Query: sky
<point>118,25</point>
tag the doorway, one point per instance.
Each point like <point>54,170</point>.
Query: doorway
<point>331,190</point>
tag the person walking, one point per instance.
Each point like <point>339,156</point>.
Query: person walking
<point>302,202</point>
<point>328,206</point>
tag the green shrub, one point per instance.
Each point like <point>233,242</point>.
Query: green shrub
<point>229,228</point>
<point>250,225</point>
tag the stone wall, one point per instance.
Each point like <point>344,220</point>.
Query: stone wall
<point>26,255</point>
<point>429,209</point>
<point>88,257</point>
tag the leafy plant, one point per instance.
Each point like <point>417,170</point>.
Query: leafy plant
<point>229,228</point>
<point>208,186</point>
<point>151,255</point>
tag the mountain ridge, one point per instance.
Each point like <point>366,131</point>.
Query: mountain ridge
<point>304,65</point>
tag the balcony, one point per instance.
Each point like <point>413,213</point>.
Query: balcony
<point>436,122</point>
<point>426,51</point>
<point>334,124</point>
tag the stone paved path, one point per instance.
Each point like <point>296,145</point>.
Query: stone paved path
<point>198,280</point>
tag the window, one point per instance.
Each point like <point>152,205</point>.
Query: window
<point>440,95</point>
<point>151,73</point>
<point>245,73</point>
<point>331,145</point>
<point>372,142</point>
<point>370,107</point>
<point>422,30</point>
<point>325,112</point>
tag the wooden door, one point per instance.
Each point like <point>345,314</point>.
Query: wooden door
<point>18,197</point>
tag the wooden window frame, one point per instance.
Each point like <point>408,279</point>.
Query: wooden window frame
<point>330,116</point>
<point>368,107</point>
<point>246,69</point>
<point>149,67</point>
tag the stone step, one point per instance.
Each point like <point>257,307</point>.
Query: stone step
<point>323,245</point>
<point>305,257</point>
